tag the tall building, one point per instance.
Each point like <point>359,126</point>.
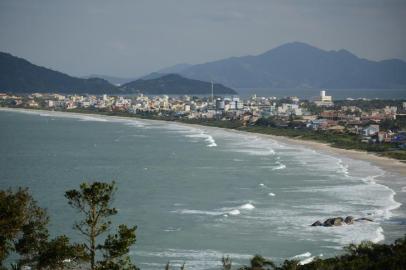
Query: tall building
<point>323,100</point>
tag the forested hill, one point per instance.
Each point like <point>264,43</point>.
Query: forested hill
<point>20,76</point>
<point>174,84</point>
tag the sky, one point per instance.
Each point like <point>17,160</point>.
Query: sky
<point>130,38</point>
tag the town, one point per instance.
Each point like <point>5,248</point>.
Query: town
<point>378,124</point>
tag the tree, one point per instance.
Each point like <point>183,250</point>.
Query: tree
<point>21,222</point>
<point>116,248</point>
<point>23,229</point>
<point>259,263</point>
<point>94,201</point>
<point>59,254</point>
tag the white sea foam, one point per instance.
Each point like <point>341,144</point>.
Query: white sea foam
<point>306,261</point>
<point>135,123</point>
<point>202,134</point>
<point>247,206</point>
<point>198,212</point>
<point>280,166</point>
<point>170,229</point>
<point>91,118</point>
<point>234,212</point>
<point>194,259</point>
<point>255,151</point>
<point>379,235</point>
<point>303,255</point>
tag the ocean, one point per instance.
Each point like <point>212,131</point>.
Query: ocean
<point>198,193</point>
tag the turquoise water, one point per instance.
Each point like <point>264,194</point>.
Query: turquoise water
<point>199,193</point>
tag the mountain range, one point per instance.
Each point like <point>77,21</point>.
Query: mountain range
<point>299,65</point>
<point>20,76</point>
<point>292,65</point>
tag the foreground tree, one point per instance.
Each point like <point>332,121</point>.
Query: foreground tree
<point>60,254</point>
<point>21,222</point>
<point>259,263</point>
<point>23,230</point>
<point>94,201</point>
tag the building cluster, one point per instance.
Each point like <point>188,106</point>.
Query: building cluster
<point>319,114</point>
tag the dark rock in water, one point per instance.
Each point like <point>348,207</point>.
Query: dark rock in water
<point>317,223</point>
<point>349,220</point>
<point>337,221</point>
<point>364,219</point>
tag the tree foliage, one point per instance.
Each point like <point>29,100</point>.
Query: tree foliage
<point>23,230</point>
<point>365,256</point>
<point>94,201</point>
<point>259,263</point>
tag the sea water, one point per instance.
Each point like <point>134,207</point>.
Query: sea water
<point>198,193</point>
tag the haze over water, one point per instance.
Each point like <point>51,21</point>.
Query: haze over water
<point>199,193</point>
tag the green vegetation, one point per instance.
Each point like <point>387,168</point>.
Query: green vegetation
<point>23,230</point>
<point>365,256</point>
<point>174,84</point>
<point>94,202</point>
<point>24,233</point>
<point>20,76</point>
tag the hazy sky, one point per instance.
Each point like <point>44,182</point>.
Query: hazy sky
<point>129,38</point>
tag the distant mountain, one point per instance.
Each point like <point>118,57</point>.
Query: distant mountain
<point>20,76</point>
<point>300,65</point>
<point>174,69</point>
<point>112,79</point>
<point>172,84</point>
<point>153,75</point>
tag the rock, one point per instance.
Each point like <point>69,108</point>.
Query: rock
<point>317,223</point>
<point>337,221</point>
<point>349,220</point>
<point>364,219</point>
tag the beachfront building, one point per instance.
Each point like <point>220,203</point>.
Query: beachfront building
<point>324,100</point>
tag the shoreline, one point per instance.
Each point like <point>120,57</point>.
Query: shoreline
<point>385,163</point>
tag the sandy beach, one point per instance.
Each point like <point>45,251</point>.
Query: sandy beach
<point>387,164</point>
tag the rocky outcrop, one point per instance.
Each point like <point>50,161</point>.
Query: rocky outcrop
<point>349,220</point>
<point>317,223</point>
<point>363,219</point>
<point>338,221</point>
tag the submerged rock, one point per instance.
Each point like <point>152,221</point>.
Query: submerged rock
<point>337,221</point>
<point>364,219</point>
<point>349,220</point>
<point>317,223</point>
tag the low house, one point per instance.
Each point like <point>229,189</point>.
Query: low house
<point>371,130</point>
